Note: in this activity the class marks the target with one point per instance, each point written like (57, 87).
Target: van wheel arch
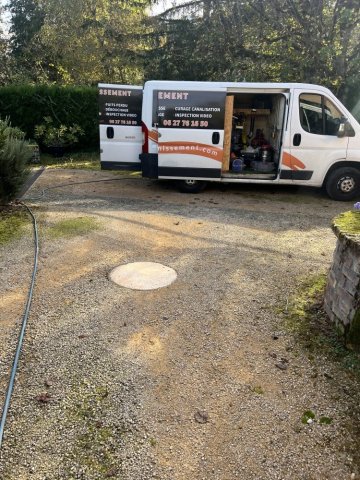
(336, 166)
(342, 181)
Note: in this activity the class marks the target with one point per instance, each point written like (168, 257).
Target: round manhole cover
(143, 275)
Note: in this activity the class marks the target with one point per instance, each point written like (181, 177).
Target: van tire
(191, 186)
(343, 184)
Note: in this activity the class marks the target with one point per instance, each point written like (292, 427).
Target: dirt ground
(199, 380)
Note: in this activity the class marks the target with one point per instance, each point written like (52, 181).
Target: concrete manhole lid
(143, 275)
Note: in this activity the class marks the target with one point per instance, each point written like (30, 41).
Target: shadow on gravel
(262, 208)
(262, 250)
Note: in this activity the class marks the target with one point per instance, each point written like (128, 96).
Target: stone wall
(342, 296)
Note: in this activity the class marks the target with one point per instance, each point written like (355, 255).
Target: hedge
(27, 105)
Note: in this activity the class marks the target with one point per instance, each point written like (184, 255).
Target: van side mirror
(345, 128)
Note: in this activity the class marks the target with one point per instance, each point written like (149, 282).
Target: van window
(332, 117)
(318, 115)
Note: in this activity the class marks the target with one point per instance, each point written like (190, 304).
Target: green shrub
(52, 136)
(14, 155)
(27, 105)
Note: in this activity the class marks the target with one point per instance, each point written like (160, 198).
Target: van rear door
(190, 132)
(120, 126)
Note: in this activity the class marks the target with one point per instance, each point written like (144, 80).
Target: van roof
(233, 85)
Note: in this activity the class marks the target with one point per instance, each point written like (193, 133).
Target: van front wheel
(191, 186)
(343, 184)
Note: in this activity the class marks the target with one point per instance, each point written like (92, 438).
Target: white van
(195, 132)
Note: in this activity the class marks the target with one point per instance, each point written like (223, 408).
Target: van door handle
(215, 138)
(110, 132)
(297, 139)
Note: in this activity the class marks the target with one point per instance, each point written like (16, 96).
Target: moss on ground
(12, 225)
(73, 227)
(94, 451)
(79, 160)
(353, 336)
(305, 318)
(258, 390)
(307, 415)
(348, 223)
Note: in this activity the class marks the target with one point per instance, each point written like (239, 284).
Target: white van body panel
(127, 140)
(205, 154)
(304, 156)
(354, 146)
(120, 126)
(353, 150)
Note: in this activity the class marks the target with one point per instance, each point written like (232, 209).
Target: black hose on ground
(134, 177)
(22, 331)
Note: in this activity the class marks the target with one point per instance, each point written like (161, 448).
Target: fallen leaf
(281, 365)
(201, 417)
(44, 397)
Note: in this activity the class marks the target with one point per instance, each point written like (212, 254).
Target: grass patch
(11, 225)
(78, 160)
(306, 319)
(73, 227)
(348, 223)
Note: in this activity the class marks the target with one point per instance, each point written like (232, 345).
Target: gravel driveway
(180, 383)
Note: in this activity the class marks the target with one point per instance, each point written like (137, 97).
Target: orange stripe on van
(192, 148)
(292, 162)
(153, 135)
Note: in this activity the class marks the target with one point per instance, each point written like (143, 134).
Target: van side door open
(190, 125)
(120, 126)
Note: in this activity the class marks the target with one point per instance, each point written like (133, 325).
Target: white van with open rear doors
(264, 133)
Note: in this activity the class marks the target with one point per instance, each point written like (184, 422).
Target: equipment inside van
(195, 132)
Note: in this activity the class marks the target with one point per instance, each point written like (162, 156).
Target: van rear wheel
(191, 186)
(343, 184)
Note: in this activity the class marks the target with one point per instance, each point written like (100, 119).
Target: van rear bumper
(133, 166)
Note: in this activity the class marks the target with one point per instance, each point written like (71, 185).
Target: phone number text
(185, 123)
(123, 122)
